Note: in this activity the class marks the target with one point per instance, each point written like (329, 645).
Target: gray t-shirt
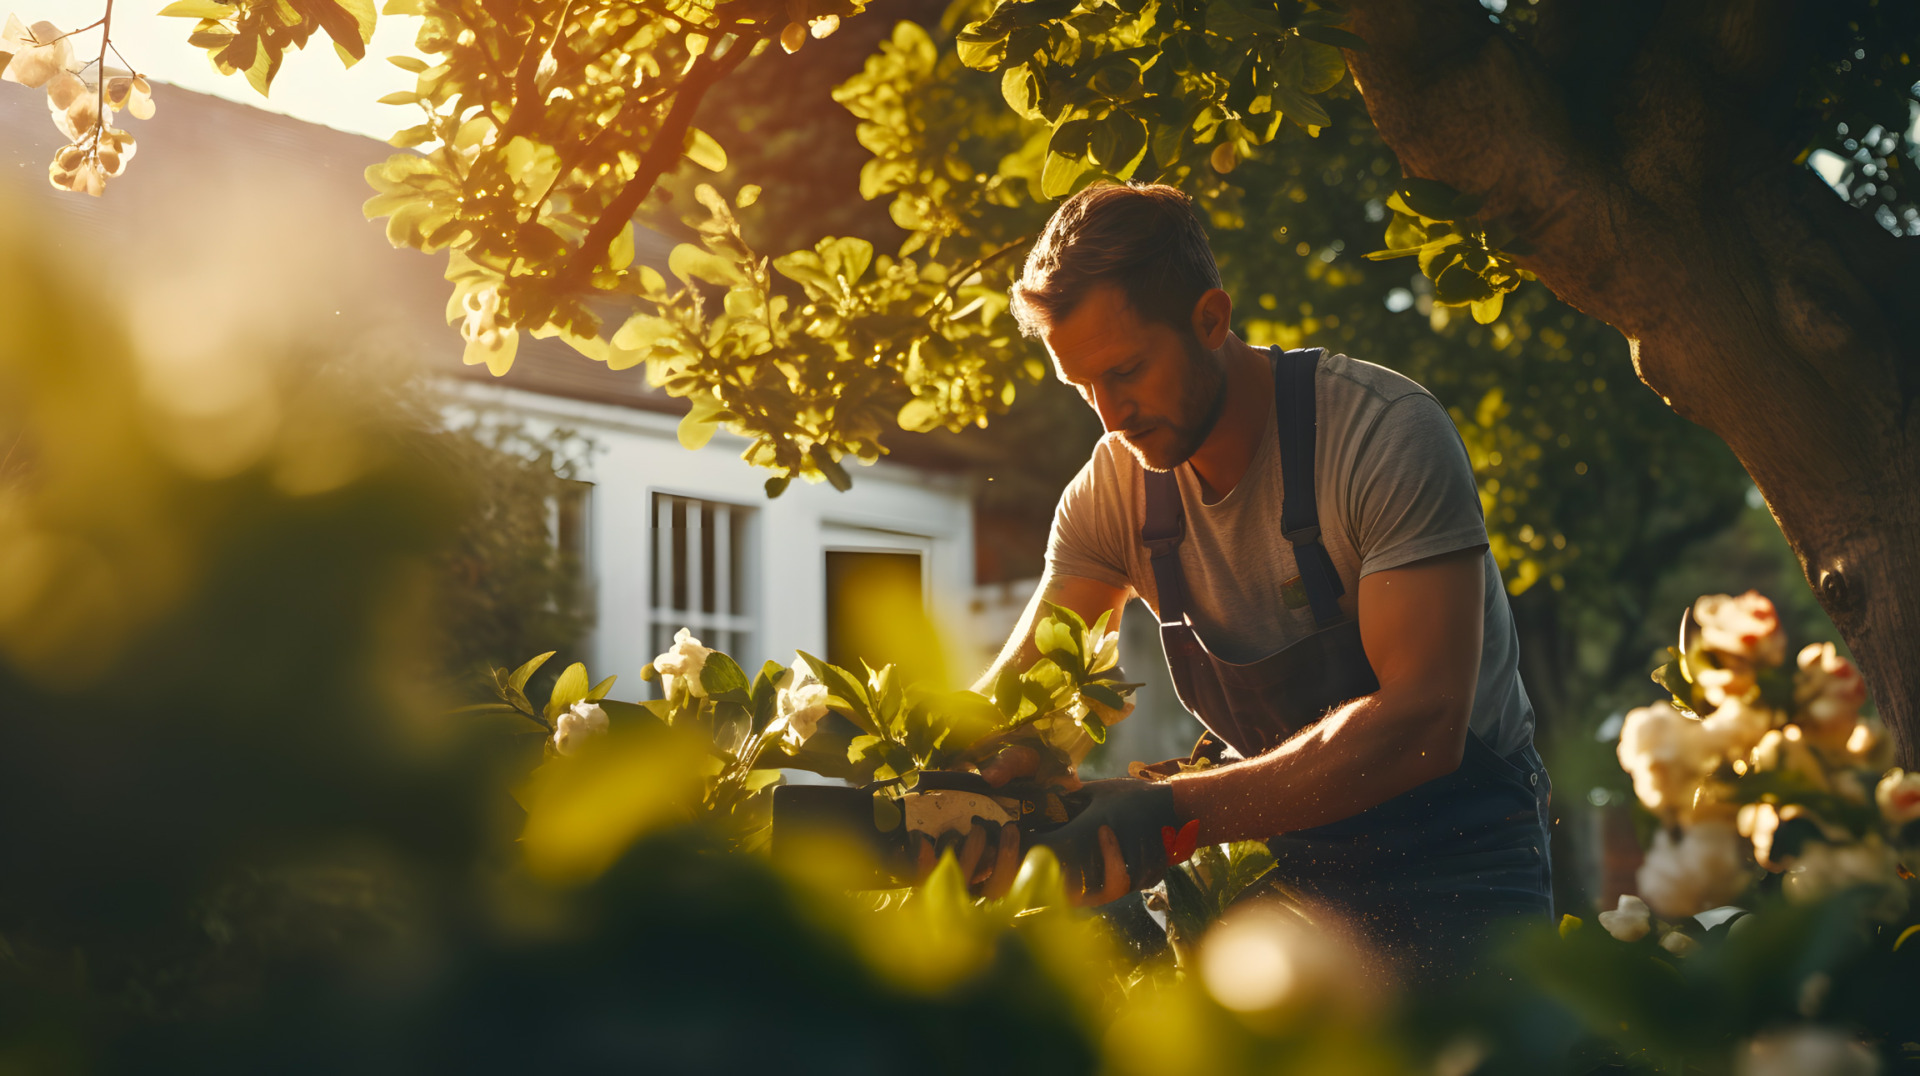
(1393, 486)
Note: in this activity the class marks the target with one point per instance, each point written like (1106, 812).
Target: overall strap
(1164, 530)
(1293, 411)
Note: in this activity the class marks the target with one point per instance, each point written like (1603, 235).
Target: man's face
(1151, 383)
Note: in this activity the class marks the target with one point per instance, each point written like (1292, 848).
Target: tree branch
(660, 156)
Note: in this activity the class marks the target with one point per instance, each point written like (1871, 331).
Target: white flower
(1735, 727)
(1744, 627)
(1822, 870)
(1667, 754)
(1734, 680)
(1677, 943)
(1706, 868)
(683, 661)
(1829, 693)
(1106, 653)
(1806, 1051)
(1785, 750)
(1898, 795)
(39, 54)
(801, 702)
(1630, 921)
(578, 724)
(483, 307)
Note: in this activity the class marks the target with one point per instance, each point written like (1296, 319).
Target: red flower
(1180, 843)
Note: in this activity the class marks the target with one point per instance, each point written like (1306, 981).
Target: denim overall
(1424, 877)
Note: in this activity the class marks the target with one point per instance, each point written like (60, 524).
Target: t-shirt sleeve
(1413, 495)
(1089, 538)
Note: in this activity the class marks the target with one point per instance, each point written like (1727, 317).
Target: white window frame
(722, 629)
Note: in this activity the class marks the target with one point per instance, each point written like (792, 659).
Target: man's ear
(1212, 317)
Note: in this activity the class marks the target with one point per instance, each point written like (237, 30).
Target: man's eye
(1126, 372)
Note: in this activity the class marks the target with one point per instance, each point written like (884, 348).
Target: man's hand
(1121, 833)
(989, 857)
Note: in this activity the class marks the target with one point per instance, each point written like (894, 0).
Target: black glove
(1142, 817)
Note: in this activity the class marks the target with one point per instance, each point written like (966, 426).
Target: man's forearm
(1360, 755)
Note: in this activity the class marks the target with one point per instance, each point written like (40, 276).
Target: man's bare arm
(1087, 597)
(1421, 627)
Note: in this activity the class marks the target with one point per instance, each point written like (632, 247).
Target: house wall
(637, 454)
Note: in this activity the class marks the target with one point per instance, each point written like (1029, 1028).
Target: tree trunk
(1639, 166)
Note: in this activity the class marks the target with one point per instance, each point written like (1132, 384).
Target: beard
(1169, 440)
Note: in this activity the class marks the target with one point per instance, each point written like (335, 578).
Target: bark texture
(1633, 145)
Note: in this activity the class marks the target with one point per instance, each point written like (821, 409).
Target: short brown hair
(1145, 237)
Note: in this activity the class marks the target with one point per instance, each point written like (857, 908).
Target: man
(1357, 670)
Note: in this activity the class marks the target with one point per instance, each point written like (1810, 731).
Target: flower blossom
(801, 701)
(1785, 750)
(683, 661)
(579, 723)
(1806, 1051)
(1705, 868)
(1898, 795)
(1735, 727)
(483, 309)
(1746, 627)
(1822, 870)
(1829, 693)
(1106, 653)
(1668, 755)
(1630, 921)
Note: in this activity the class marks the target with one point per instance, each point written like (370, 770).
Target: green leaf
(724, 680)
(199, 9)
(408, 63)
(980, 50)
(1333, 35)
(1096, 729)
(700, 423)
(690, 263)
(1065, 616)
(845, 259)
(1104, 695)
(1235, 20)
(1059, 175)
(1429, 198)
(525, 672)
(841, 686)
(700, 148)
(1117, 140)
(919, 416)
(1300, 108)
(569, 689)
(837, 476)
(1459, 286)
(1021, 89)
(399, 97)
(600, 689)
(1188, 910)
(777, 485)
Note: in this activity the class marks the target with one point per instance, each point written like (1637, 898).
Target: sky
(312, 85)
